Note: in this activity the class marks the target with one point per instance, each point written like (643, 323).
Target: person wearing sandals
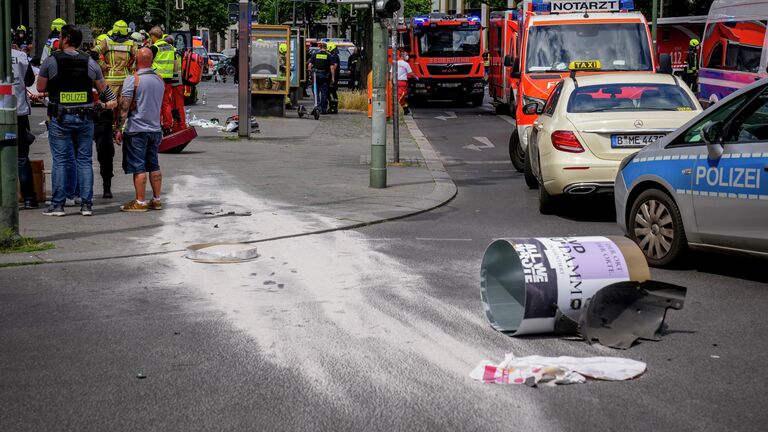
(141, 132)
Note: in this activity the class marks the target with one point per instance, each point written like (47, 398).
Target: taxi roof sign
(581, 65)
(575, 6)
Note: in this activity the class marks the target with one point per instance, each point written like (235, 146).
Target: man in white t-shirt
(404, 73)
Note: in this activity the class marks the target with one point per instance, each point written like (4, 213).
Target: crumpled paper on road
(533, 370)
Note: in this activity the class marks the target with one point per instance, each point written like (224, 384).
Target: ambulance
(446, 54)
(553, 34)
(502, 42)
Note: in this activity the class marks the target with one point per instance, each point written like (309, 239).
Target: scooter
(316, 109)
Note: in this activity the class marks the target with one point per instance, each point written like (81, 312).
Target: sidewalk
(298, 176)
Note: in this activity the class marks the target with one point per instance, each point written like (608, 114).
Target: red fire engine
(446, 54)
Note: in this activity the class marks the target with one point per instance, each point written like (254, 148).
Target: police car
(591, 122)
(704, 185)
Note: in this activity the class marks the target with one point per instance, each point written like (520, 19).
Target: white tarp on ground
(533, 370)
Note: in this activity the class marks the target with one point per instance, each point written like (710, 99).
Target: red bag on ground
(191, 68)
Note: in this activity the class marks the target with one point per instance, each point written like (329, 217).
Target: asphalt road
(376, 329)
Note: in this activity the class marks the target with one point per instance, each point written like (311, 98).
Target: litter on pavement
(226, 106)
(535, 370)
(221, 253)
(205, 124)
(233, 124)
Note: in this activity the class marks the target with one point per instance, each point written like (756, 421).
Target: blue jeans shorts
(140, 152)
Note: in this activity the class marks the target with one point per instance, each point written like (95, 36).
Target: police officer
(333, 95)
(354, 67)
(321, 64)
(163, 64)
(692, 64)
(68, 76)
(283, 72)
(23, 77)
(117, 55)
(52, 44)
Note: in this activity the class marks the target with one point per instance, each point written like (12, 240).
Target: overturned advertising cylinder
(527, 283)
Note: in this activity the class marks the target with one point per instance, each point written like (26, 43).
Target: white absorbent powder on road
(318, 302)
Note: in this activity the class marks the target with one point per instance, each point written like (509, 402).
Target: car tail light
(566, 141)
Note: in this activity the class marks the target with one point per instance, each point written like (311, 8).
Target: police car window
(752, 123)
(549, 108)
(693, 135)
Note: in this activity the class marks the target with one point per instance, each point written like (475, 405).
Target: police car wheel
(516, 152)
(530, 180)
(656, 226)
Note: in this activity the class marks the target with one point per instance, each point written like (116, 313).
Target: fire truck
(446, 54)
(502, 42)
(549, 36)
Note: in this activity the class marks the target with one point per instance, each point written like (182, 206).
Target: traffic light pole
(395, 105)
(9, 206)
(244, 69)
(378, 170)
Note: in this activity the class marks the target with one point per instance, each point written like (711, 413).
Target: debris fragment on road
(621, 313)
(535, 370)
(214, 253)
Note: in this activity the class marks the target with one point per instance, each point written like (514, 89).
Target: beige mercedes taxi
(592, 121)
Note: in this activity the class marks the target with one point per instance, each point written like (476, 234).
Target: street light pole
(167, 16)
(654, 17)
(395, 99)
(378, 170)
(9, 207)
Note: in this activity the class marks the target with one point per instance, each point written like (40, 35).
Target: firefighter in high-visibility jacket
(52, 44)
(163, 64)
(117, 54)
(692, 64)
(177, 91)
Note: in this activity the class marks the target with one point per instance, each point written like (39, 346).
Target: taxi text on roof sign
(585, 65)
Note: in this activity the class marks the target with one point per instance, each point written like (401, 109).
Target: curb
(445, 190)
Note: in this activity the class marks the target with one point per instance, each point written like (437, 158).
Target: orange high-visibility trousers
(166, 118)
(178, 106)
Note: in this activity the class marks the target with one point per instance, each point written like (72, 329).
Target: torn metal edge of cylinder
(621, 313)
(198, 253)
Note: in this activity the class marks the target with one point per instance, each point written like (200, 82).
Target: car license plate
(618, 141)
(343, 82)
(450, 85)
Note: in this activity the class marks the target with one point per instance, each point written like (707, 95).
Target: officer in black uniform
(69, 76)
(324, 70)
(333, 95)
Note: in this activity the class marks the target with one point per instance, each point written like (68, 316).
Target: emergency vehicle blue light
(627, 4)
(421, 20)
(474, 18)
(540, 6)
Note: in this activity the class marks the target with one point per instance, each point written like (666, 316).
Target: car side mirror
(712, 134)
(665, 64)
(533, 108)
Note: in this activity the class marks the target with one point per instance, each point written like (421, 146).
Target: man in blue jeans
(140, 131)
(69, 76)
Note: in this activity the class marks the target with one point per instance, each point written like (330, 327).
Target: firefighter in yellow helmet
(52, 44)
(333, 85)
(177, 90)
(117, 54)
(691, 72)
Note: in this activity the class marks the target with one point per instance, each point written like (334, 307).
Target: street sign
(354, 1)
(361, 6)
(180, 4)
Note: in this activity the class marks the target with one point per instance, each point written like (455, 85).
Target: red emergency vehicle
(674, 35)
(502, 41)
(446, 54)
(552, 34)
